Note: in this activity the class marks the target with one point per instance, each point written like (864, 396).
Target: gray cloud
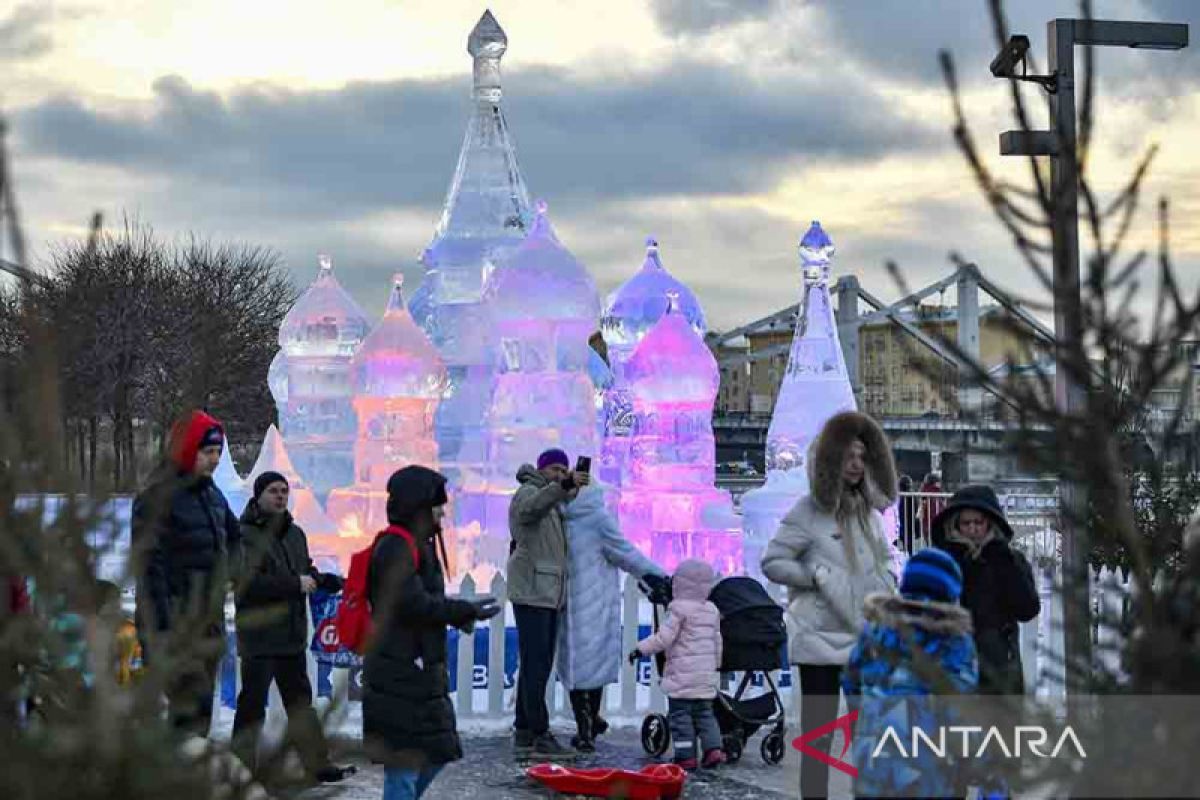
(682, 17)
(23, 34)
(693, 127)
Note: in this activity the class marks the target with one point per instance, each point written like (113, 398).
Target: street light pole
(1062, 35)
(1069, 393)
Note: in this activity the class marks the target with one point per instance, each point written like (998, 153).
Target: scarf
(974, 548)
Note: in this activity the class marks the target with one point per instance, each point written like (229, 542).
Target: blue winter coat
(891, 687)
(589, 631)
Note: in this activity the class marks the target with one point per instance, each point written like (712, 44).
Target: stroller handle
(657, 589)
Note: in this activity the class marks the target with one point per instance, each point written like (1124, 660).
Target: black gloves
(658, 589)
(634, 655)
(485, 609)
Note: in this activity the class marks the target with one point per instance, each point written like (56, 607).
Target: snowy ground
(491, 770)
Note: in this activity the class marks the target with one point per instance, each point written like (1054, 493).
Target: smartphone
(583, 464)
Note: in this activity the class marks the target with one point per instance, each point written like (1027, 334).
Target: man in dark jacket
(187, 539)
(272, 628)
(998, 585)
(408, 720)
(537, 583)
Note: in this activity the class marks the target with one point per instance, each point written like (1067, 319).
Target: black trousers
(537, 633)
(304, 729)
(190, 691)
(820, 685)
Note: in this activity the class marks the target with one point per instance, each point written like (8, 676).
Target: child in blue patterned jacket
(914, 646)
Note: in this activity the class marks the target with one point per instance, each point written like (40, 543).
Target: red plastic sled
(652, 782)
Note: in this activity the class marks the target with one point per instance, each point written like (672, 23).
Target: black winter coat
(272, 611)
(408, 719)
(193, 544)
(999, 591)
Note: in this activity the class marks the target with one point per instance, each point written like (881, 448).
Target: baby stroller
(754, 638)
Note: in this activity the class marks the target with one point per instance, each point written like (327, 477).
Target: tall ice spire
(486, 217)
(487, 196)
(815, 387)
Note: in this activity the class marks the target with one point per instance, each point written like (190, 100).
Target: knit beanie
(266, 479)
(553, 456)
(213, 436)
(934, 574)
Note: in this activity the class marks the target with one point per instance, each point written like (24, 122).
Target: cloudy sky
(720, 126)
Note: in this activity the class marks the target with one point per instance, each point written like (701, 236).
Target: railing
(484, 688)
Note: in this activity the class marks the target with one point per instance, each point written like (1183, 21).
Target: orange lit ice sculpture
(311, 381)
(668, 504)
(398, 379)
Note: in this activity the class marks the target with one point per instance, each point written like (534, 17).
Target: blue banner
(325, 647)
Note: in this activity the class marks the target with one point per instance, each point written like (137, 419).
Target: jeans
(820, 685)
(537, 633)
(290, 673)
(689, 718)
(408, 784)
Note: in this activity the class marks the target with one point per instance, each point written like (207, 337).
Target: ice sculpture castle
(485, 217)
(398, 381)
(668, 505)
(310, 380)
(815, 387)
(632, 310)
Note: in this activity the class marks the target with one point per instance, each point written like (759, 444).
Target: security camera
(1013, 53)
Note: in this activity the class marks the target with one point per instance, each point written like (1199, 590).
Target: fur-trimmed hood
(897, 611)
(828, 451)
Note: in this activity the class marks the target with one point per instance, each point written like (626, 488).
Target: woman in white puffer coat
(589, 636)
(831, 552)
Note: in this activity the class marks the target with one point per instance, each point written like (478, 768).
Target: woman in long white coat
(589, 635)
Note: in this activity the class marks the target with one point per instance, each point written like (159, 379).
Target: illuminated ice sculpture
(398, 379)
(310, 380)
(542, 306)
(667, 503)
(631, 311)
(815, 387)
(484, 219)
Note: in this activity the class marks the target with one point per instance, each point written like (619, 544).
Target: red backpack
(353, 621)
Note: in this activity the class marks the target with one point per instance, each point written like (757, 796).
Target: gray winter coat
(537, 567)
(589, 632)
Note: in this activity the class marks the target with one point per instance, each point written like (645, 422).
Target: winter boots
(581, 705)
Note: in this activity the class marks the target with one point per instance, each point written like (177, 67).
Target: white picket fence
(491, 708)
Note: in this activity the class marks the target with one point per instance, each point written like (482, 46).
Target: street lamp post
(1059, 144)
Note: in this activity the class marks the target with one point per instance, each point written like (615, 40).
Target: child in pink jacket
(691, 638)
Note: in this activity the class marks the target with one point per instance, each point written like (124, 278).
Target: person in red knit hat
(188, 543)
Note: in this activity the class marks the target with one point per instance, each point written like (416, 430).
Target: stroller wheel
(772, 748)
(656, 736)
(733, 747)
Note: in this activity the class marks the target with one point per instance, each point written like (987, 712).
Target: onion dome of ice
(672, 364)
(635, 306)
(397, 359)
(541, 280)
(325, 321)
